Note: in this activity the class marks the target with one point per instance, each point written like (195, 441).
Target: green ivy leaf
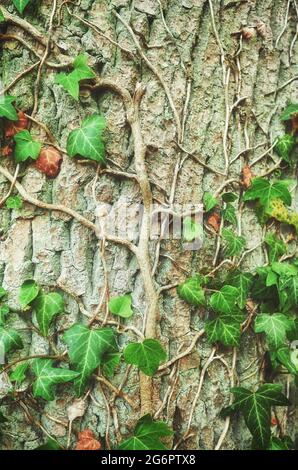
(285, 269)
(229, 197)
(121, 306)
(192, 292)
(146, 355)
(225, 328)
(225, 300)
(87, 350)
(20, 5)
(243, 282)
(191, 229)
(4, 311)
(288, 292)
(50, 444)
(26, 147)
(280, 444)
(1, 16)
(290, 112)
(229, 214)
(87, 140)
(18, 375)
(266, 191)
(147, 435)
(234, 243)
(71, 80)
(209, 201)
(110, 363)
(276, 246)
(6, 108)
(274, 326)
(46, 307)
(3, 292)
(285, 356)
(284, 147)
(48, 376)
(10, 339)
(28, 292)
(14, 202)
(256, 409)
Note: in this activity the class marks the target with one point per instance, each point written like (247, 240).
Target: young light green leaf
(274, 326)
(266, 191)
(71, 81)
(147, 435)
(2, 19)
(20, 5)
(26, 147)
(86, 141)
(10, 339)
(18, 375)
(121, 306)
(225, 329)
(256, 409)
(191, 229)
(209, 201)
(229, 214)
(14, 202)
(88, 349)
(234, 244)
(276, 247)
(243, 282)
(28, 292)
(146, 355)
(225, 300)
(6, 108)
(48, 376)
(46, 307)
(284, 147)
(290, 112)
(192, 292)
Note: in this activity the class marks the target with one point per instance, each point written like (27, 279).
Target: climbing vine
(228, 297)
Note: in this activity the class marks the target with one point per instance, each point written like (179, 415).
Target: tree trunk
(200, 90)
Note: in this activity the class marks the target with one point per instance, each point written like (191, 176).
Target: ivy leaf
(285, 269)
(256, 409)
(225, 328)
(266, 191)
(3, 292)
(18, 375)
(147, 435)
(280, 444)
(234, 243)
(28, 292)
(209, 201)
(10, 339)
(4, 311)
(87, 350)
(274, 326)
(6, 108)
(192, 292)
(225, 300)
(70, 81)
(286, 357)
(47, 306)
(121, 306)
(229, 197)
(229, 214)
(288, 292)
(1, 16)
(243, 282)
(146, 355)
(26, 147)
(290, 112)
(191, 229)
(87, 140)
(284, 147)
(276, 246)
(20, 5)
(14, 202)
(49, 161)
(111, 360)
(50, 444)
(48, 376)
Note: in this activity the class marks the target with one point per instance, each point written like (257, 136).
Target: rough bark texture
(55, 249)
